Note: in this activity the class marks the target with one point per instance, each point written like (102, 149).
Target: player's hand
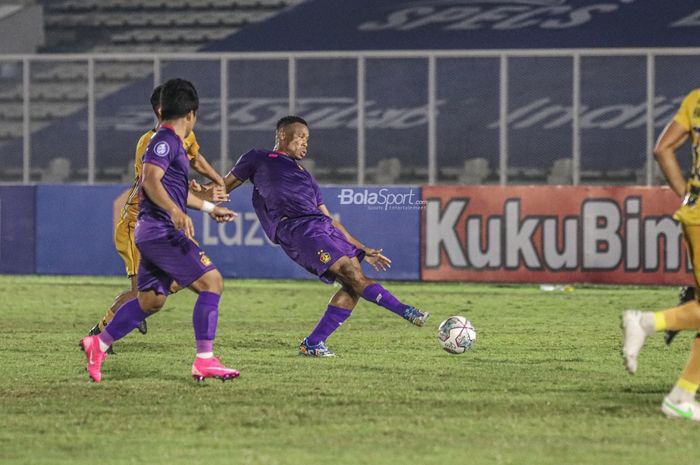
(375, 258)
(211, 192)
(216, 193)
(195, 186)
(222, 215)
(183, 223)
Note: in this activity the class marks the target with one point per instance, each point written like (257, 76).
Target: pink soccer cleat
(95, 357)
(212, 368)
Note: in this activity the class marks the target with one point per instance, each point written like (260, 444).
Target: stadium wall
(542, 234)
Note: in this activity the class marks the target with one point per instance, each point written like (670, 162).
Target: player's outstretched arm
(153, 188)
(231, 182)
(372, 256)
(672, 137)
(202, 166)
(219, 214)
(210, 192)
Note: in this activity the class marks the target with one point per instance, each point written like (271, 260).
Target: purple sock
(204, 318)
(375, 293)
(125, 320)
(329, 322)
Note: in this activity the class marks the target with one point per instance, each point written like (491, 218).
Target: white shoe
(633, 338)
(689, 410)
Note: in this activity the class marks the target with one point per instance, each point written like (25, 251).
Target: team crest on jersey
(325, 257)
(204, 259)
(161, 149)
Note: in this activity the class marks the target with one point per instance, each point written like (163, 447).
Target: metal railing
(431, 83)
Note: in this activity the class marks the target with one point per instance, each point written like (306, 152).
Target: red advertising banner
(552, 234)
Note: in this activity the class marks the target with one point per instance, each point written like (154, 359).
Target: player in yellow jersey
(124, 230)
(637, 326)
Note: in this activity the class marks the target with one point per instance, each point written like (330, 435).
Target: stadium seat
(474, 171)
(561, 171)
(58, 171)
(388, 171)
(309, 165)
(128, 175)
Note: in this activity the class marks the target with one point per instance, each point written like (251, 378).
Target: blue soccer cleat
(318, 350)
(415, 316)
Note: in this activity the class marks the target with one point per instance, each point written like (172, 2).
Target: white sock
(205, 354)
(648, 323)
(103, 346)
(680, 395)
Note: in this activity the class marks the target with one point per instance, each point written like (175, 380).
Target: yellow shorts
(689, 212)
(124, 242)
(691, 234)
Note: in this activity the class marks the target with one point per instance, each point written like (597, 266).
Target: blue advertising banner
(74, 235)
(472, 24)
(74, 230)
(17, 229)
(387, 218)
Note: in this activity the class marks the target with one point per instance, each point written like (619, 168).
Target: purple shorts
(170, 258)
(315, 244)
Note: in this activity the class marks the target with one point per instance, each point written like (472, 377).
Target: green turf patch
(544, 383)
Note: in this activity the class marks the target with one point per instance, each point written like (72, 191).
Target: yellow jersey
(131, 208)
(688, 116)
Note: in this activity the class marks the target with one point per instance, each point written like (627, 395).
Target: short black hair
(155, 98)
(291, 119)
(178, 97)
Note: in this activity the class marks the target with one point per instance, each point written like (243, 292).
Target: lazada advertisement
(552, 234)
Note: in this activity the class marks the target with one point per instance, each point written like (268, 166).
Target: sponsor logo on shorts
(325, 257)
(161, 149)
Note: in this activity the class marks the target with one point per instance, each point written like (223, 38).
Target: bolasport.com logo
(382, 198)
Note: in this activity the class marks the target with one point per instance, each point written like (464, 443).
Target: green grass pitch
(544, 384)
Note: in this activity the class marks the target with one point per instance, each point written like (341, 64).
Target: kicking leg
(637, 326)
(691, 234)
(686, 294)
(349, 272)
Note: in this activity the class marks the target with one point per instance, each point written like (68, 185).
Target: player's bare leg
(349, 272)
(686, 294)
(205, 316)
(680, 402)
(175, 287)
(637, 326)
(339, 309)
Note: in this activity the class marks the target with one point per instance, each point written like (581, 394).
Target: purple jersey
(283, 189)
(165, 150)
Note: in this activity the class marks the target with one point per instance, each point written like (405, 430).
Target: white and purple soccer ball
(456, 335)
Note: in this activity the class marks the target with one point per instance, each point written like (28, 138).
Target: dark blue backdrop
(472, 24)
(17, 237)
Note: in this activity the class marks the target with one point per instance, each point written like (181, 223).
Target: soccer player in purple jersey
(164, 237)
(288, 203)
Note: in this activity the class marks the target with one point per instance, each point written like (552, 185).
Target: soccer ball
(456, 335)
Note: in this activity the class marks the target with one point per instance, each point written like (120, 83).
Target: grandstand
(59, 89)
(547, 122)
